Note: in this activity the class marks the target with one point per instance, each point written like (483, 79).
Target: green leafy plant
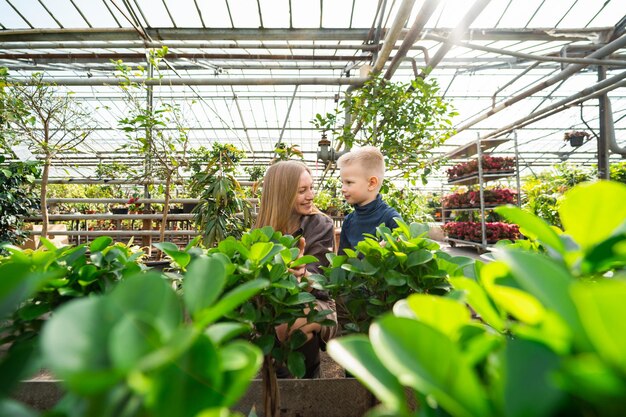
(285, 152)
(75, 271)
(223, 211)
(385, 268)
(618, 172)
(404, 120)
(267, 255)
(131, 352)
(17, 198)
(543, 191)
(48, 121)
(546, 339)
(410, 203)
(155, 130)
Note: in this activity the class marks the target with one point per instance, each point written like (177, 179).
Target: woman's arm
(319, 234)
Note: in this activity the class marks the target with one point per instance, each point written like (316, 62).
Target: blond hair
(278, 198)
(369, 158)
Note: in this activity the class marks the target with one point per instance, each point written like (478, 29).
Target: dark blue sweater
(365, 219)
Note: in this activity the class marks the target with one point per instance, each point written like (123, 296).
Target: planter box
(299, 397)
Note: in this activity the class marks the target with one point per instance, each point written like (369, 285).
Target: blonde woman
(287, 206)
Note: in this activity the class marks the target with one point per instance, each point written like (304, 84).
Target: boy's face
(357, 187)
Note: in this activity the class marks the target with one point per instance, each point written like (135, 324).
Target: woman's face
(304, 195)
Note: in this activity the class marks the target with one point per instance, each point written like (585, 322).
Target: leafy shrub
(367, 282)
(547, 340)
(130, 351)
(17, 198)
(543, 191)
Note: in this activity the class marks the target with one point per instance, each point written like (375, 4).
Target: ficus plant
(268, 255)
(73, 271)
(141, 349)
(385, 268)
(547, 338)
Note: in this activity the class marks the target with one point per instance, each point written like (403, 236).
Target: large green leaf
(444, 314)
(74, 344)
(549, 282)
(181, 258)
(203, 283)
(100, 243)
(231, 300)
(478, 300)
(590, 213)
(17, 283)
(190, 385)
(259, 250)
(148, 296)
(13, 408)
(132, 338)
(428, 361)
(601, 309)
(299, 298)
(220, 333)
(238, 375)
(529, 389)
(356, 355)
(532, 226)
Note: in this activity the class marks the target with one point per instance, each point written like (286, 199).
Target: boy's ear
(372, 183)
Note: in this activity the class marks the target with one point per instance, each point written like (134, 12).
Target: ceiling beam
(261, 34)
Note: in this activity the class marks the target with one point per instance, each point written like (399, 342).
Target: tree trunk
(44, 192)
(271, 393)
(166, 207)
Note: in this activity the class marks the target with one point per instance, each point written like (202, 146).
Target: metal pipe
(610, 128)
(572, 69)
(176, 44)
(393, 34)
(282, 131)
(458, 32)
(262, 34)
(428, 8)
(517, 77)
(93, 57)
(546, 58)
(358, 81)
(584, 95)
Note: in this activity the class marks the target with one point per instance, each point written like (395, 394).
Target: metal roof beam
(202, 81)
(317, 34)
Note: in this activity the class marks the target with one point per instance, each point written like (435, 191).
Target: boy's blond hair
(369, 158)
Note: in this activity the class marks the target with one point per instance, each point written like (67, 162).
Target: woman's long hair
(278, 197)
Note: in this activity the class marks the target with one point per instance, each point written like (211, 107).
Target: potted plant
(576, 137)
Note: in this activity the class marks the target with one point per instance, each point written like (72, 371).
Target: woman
(287, 206)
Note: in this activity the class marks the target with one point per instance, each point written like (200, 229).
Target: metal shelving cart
(478, 148)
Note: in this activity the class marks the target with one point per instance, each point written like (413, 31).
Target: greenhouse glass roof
(255, 72)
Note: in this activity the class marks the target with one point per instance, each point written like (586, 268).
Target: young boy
(362, 174)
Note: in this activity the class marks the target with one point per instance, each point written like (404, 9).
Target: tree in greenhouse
(404, 120)
(155, 130)
(221, 197)
(48, 121)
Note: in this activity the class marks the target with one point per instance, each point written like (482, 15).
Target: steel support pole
(603, 140)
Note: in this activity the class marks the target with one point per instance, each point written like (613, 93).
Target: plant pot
(188, 207)
(576, 141)
(119, 210)
(175, 211)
